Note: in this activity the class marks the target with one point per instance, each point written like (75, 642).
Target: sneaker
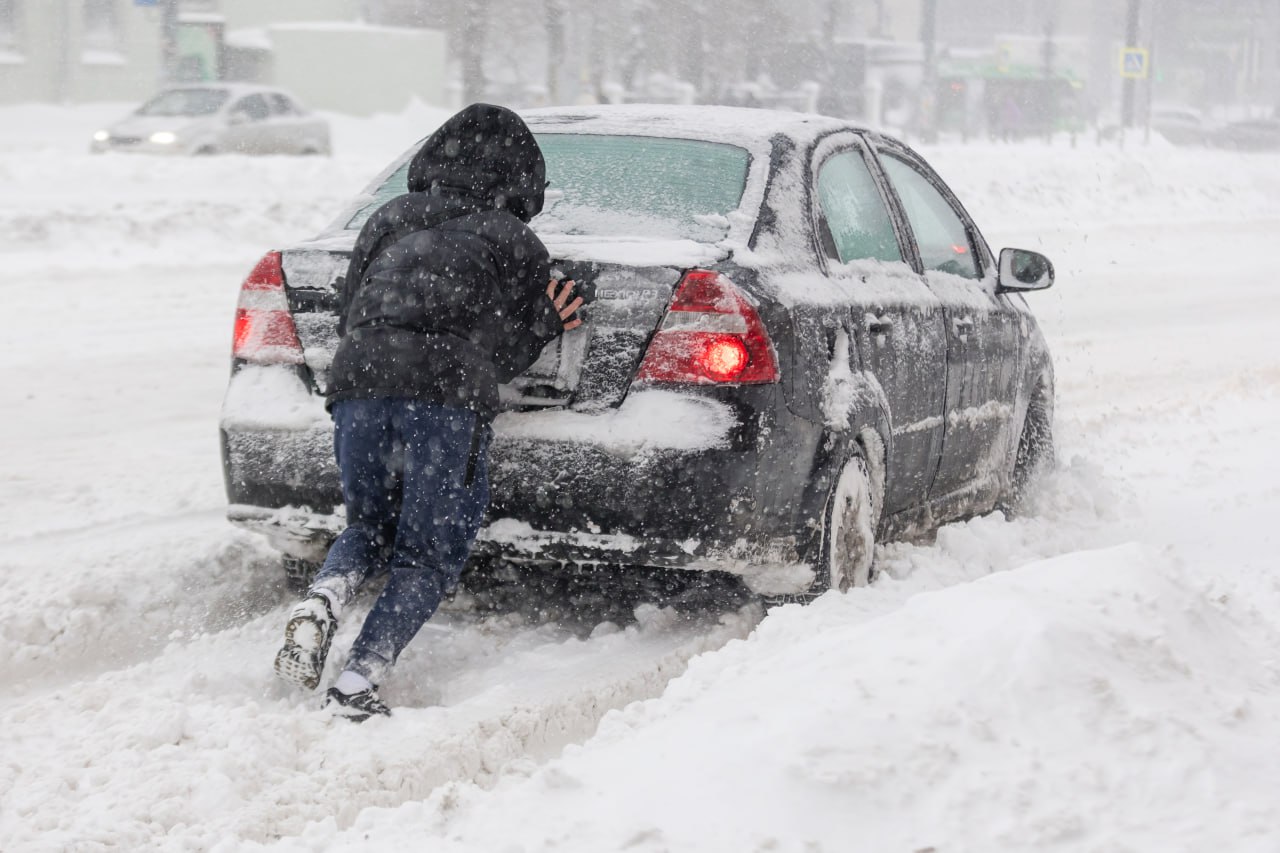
(306, 642)
(356, 707)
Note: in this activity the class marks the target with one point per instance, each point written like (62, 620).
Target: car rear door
(282, 129)
(247, 131)
(892, 315)
(981, 328)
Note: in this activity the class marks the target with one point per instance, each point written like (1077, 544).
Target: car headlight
(164, 137)
(101, 136)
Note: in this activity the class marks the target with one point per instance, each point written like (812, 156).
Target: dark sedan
(1261, 134)
(797, 343)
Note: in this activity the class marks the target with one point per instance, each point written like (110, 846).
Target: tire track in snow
(201, 744)
(84, 601)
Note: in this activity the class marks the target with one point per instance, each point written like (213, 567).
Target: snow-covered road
(1100, 676)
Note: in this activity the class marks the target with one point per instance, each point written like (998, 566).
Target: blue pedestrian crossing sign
(1135, 62)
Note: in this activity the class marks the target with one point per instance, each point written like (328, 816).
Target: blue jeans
(415, 482)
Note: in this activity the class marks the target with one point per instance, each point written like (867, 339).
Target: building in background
(123, 50)
(324, 52)
(1018, 67)
(87, 50)
(998, 67)
(1205, 59)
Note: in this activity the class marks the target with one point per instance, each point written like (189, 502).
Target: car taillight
(711, 335)
(264, 332)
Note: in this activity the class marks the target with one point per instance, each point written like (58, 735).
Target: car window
(854, 211)
(939, 231)
(254, 106)
(184, 102)
(280, 105)
(626, 186)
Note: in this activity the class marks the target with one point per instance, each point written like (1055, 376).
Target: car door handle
(962, 326)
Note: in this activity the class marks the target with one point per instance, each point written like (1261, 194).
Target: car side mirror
(1021, 269)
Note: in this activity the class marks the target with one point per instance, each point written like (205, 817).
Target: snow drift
(1099, 700)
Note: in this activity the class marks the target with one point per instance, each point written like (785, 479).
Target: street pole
(1129, 92)
(1048, 52)
(556, 57)
(929, 38)
(62, 70)
(1153, 33)
(169, 43)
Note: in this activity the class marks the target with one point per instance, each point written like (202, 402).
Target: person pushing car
(448, 294)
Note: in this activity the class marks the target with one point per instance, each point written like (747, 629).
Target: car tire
(852, 517)
(298, 573)
(206, 151)
(1035, 455)
(856, 498)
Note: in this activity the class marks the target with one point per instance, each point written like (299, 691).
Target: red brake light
(723, 359)
(264, 329)
(711, 335)
(267, 274)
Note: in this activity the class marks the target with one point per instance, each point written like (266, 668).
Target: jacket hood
(484, 153)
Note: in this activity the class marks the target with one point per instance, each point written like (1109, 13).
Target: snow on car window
(854, 212)
(626, 186)
(184, 102)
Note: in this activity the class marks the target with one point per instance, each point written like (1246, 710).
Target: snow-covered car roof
(744, 126)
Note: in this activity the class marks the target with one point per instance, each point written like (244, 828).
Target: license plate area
(552, 379)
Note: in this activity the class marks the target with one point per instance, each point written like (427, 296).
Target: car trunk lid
(589, 368)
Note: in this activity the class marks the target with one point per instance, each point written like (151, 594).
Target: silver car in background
(217, 119)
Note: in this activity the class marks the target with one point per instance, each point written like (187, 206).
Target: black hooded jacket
(445, 295)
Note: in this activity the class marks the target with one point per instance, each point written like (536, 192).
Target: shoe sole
(337, 709)
(301, 665)
(351, 718)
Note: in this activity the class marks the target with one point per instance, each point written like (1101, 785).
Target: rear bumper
(769, 569)
(275, 469)
(619, 488)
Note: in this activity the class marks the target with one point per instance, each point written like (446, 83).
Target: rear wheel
(849, 535)
(844, 557)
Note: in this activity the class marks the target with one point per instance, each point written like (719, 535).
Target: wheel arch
(866, 430)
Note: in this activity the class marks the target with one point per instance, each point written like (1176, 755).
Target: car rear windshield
(626, 186)
(185, 102)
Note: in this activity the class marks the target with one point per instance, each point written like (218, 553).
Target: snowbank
(1034, 185)
(1082, 702)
